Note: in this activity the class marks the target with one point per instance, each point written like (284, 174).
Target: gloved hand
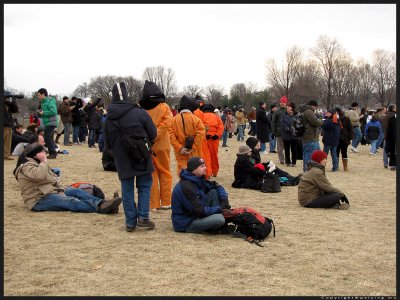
(215, 137)
(260, 166)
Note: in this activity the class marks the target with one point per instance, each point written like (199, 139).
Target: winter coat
(10, 108)
(373, 130)
(17, 138)
(240, 118)
(331, 132)
(49, 108)
(36, 180)
(229, 122)
(123, 113)
(189, 198)
(65, 112)
(390, 144)
(354, 117)
(286, 124)
(161, 116)
(346, 130)
(77, 118)
(92, 116)
(214, 124)
(314, 183)
(386, 120)
(246, 175)
(276, 121)
(263, 125)
(82, 119)
(312, 125)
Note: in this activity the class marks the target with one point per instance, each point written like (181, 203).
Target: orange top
(161, 116)
(214, 124)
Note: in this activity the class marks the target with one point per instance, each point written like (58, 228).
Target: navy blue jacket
(286, 124)
(331, 133)
(189, 199)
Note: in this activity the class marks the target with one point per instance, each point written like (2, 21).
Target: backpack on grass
(89, 188)
(249, 224)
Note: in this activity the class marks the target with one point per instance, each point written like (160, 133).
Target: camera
(9, 95)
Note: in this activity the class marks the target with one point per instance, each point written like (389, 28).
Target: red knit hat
(318, 155)
(283, 99)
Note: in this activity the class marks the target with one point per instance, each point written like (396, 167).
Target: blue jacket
(373, 130)
(189, 199)
(331, 132)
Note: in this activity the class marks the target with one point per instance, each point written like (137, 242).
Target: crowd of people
(136, 140)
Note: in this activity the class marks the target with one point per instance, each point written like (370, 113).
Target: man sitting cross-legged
(197, 203)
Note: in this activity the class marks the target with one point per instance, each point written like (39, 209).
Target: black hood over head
(252, 142)
(119, 92)
(208, 108)
(188, 103)
(152, 95)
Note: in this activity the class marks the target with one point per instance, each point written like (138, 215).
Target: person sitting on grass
(315, 191)
(197, 203)
(41, 188)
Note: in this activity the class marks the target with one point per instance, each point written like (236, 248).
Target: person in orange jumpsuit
(215, 129)
(206, 151)
(153, 101)
(193, 127)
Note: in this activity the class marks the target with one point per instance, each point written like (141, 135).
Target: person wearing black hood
(263, 126)
(179, 131)
(153, 101)
(124, 115)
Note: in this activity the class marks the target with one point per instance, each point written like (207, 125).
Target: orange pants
(213, 149)
(161, 188)
(207, 158)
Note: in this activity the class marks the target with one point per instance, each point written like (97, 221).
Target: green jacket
(312, 126)
(276, 126)
(49, 108)
(314, 183)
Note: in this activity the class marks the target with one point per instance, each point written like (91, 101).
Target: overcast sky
(59, 46)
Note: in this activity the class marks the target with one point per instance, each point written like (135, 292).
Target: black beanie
(194, 162)
(207, 108)
(32, 149)
(188, 103)
(251, 142)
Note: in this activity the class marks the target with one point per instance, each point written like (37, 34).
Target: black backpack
(270, 183)
(297, 127)
(373, 132)
(249, 224)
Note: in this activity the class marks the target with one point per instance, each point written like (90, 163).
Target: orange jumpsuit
(204, 145)
(193, 126)
(161, 188)
(215, 127)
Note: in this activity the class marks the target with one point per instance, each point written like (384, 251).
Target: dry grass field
(315, 252)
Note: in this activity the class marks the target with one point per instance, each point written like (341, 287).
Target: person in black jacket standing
(263, 125)
(345, 137)
(93, 120)
(124, 114)
(10, 107)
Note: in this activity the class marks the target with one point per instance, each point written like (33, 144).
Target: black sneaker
(130, 228)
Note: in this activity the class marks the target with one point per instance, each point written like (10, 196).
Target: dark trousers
(290, 148)
(48, 139)
(342, 147)
(325, 201)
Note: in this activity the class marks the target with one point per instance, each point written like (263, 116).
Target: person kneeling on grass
(197, 203)
(315, 191)
(41, 188)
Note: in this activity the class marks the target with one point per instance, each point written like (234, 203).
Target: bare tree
(164, 78)
(364, 83)
(282, 79)
(101, 86)
(327, 52)
(342, 82)
(384, 76)
(82, 90)
(192, 90)
(215, 94)
(245, 92)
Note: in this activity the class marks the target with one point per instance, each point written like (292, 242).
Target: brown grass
(315, 251)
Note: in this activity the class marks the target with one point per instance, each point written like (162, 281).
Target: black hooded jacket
(152, 95)
(123, 113)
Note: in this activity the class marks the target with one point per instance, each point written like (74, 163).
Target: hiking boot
(115, 210)
(130, 228)
(107, 206)
(146, 223)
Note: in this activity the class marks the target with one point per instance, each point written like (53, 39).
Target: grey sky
(61, 46)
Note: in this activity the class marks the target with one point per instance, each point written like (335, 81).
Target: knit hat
(251, 142)
(283, 99)
(244, 149)
(32, 149)
(188, 103)
(318, 155)
(194, 162)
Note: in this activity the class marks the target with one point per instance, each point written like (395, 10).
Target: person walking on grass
(373, 130)
(330, 138)
(345, 137)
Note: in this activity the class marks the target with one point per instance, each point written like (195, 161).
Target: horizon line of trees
(327, 73)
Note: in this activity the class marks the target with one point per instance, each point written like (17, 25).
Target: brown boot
(107, 206)
(344, 161)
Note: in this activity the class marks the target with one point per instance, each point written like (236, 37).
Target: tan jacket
(314, 183)
(36, 180)
(354, 117)
(240, 118)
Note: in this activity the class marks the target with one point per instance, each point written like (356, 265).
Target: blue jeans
(101, 142)
(48, 139)
(75, 200)
(240, 136)
(67, 132)
(308, 149)
(335, 160)
(82, 133)
(225, 138)
(272, 143)
(143, 185)
(374, 145)
(211, 222)
(91, 140)
(385, 157)
(75, 133)
(263, 147)
(357, 137)
(380, 140)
